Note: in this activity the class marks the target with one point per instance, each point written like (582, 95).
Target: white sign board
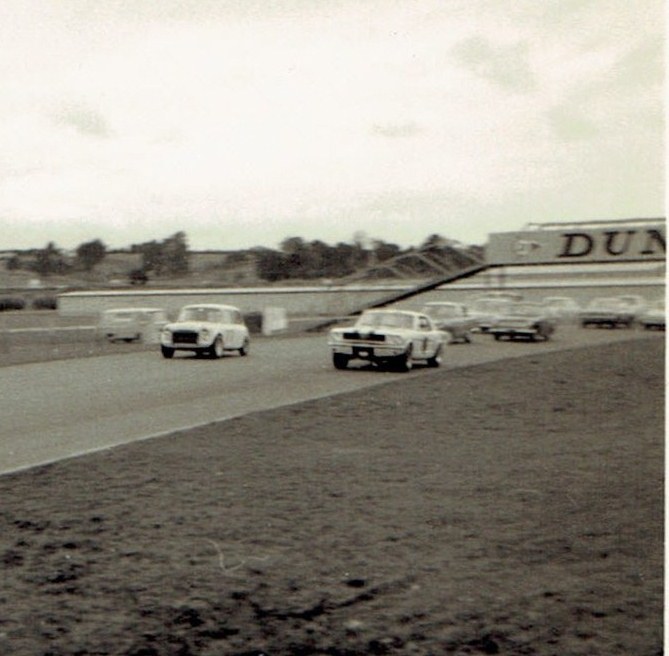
(274, 320)
(578, 245)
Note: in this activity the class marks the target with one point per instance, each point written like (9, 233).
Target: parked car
(607, 311)
(485, 311)
(526, 320)
(634, 302)
(388, 337)
(453, 318)
(561, 308)
(131, 324)
(654, 317)
(206, 329)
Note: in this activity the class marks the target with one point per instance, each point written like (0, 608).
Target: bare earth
(508, 508)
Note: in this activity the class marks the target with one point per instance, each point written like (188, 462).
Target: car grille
(371, 337)
(184, 337)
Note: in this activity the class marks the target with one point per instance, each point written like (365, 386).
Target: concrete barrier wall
(314, 302)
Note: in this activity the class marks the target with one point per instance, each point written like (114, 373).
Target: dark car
(453, 318)
(523, 320)
(607, 312)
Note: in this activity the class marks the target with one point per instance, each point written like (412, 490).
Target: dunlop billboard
(645, 243)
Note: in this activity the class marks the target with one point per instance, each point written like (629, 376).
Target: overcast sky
(244, 122)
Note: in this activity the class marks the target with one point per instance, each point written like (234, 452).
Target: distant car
(206, 329)
(131, 324)
(452, 318)
(485, 311)
(654, 317)
(608, 312)
(561, 308)
(394, 338)
(525, 320)
(634, 302)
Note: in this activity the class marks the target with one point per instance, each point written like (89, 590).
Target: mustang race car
(388, 337)
(207, 329)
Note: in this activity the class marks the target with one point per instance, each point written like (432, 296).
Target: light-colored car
(607, 311)
(485, 311)
(654, 317)
(206, 329)
(131, 324)
(396, 338)
(453, 318)
(525, 320)
(634, 302)
(561, 308)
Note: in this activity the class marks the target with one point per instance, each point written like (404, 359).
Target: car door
(424, 343)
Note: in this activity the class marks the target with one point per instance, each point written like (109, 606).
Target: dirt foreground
(508, 508)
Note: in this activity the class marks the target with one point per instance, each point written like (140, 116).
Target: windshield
(442, 311)
(120, 315)
(386, 319)
(604, 303)
(202, 314)
(523, 309)
(559, 302)
(489, 305)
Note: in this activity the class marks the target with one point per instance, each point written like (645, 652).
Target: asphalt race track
(55, 410)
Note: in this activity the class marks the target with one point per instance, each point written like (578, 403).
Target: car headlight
(394, 339)
(205, 334)
(166, 332)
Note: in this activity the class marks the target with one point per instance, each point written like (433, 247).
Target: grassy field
(509, 508)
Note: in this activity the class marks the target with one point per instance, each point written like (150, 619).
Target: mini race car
(206, 329)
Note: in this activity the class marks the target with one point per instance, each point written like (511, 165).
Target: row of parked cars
(494, 314)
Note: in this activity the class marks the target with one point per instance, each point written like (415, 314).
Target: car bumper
(520, 332)
(366, 352)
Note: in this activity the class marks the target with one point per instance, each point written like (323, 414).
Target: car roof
(211, 306)
(394, 311)
(135, 309)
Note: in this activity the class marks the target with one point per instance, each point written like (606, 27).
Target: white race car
(388, 337)
(207, 329)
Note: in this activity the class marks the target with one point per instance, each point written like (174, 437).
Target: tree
(90, 253)
(13, 263)
(50, 260)
(175, 254)
(169, 256)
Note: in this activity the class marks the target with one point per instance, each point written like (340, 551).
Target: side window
(423, 323)
(237, 317)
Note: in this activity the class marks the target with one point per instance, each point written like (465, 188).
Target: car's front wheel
(405, 361)
(435, 360)
(217, 349)
(340, 360)
(167, 351)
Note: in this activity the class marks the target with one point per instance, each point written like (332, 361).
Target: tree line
(296, 258)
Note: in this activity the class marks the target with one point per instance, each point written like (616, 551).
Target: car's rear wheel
(244, 350)
(217, 349)
(167, 352)
(340, 360)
